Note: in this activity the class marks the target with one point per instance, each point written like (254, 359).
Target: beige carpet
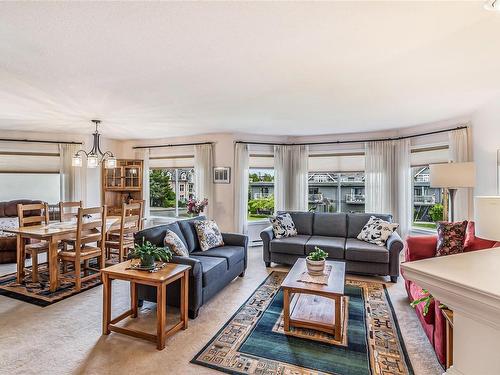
(65, 338)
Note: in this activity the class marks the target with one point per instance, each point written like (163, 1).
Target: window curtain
(241, 171)
(388, 181)
(73, 186)
(290, 174)
(143, 154)
(203, 184)
(460, 152)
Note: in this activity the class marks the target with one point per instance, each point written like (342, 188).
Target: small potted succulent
(315, 262)
(149, 253)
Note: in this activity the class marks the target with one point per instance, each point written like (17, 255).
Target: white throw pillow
(283, 226)
(209, 234)
(377, 231)
(175, 244)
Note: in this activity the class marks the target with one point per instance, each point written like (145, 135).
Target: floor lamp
(452, 176)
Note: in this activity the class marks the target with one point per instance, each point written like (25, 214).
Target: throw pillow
(175, 244)
(451, 237)
(377, 231)
(283, 226)
(209, 234)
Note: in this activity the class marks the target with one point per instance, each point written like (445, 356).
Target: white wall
(486, 142)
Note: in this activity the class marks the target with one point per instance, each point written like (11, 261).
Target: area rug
(252, 342)
(39, 293)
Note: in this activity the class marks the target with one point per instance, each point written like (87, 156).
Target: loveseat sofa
(211, 270)
(434, 324)
(9, 219)
(336, 234)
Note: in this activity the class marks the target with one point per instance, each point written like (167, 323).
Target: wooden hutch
(121, 184)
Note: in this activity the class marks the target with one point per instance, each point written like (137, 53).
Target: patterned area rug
(251, 342)
(39, 293)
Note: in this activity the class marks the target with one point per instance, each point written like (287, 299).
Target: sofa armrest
(267, 235)
(195, 264)
(420, 247)
(235, 239)
(394, 244)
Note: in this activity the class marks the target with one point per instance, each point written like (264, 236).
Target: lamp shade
(453, 175)
(487, 217)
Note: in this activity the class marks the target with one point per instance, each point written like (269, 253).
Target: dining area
(68, 252)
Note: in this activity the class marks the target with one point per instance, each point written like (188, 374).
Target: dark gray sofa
(211, 270)
(336, 234)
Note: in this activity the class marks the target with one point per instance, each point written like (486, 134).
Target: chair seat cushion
(334, 246)
(232, 254)
(361, 251)
(212, 268)
(38, 246)
(87, 251)
(290, 245)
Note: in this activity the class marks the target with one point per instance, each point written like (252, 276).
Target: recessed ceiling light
(492, 5)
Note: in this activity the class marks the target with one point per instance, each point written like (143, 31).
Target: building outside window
(170, 190)
(260, 193)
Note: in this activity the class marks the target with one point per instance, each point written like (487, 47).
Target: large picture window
(260, 193)
(427, 201)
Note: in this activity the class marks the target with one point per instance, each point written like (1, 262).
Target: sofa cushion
(334, 246)
(356, 222)
(212, 268)
(232, 254)
(290, 245)
(303, 221)
(209, 235)
(330, 224)
(189, 232)
(156, 234)
(361, 251)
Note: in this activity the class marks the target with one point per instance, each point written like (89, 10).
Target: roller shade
(257, 161)
(337, 163)
(25, 163)
(172, 162)
(431, 155)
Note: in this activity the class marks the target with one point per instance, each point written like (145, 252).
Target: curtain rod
(175, 145)
(354, 141)
(39, 141)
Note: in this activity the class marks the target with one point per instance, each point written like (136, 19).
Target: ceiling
(171, 69)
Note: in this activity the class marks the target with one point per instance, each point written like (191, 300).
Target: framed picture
(222, 175)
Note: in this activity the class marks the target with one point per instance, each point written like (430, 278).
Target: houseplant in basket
(149, 253)
(315, 262)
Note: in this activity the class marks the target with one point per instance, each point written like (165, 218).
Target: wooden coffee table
(311, 305)
(159, 280)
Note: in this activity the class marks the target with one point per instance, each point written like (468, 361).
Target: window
(260, 186)
(36, 186)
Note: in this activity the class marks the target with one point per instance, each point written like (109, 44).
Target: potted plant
(149, 253)
(194, 207)
(426, 299)
(315, 261)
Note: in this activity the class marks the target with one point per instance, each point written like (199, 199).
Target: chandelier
(95, 156)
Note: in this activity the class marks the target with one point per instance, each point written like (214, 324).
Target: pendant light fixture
(95, 156)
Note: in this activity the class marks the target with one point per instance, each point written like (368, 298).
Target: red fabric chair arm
(420, 247)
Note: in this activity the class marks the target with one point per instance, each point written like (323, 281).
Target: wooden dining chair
(69, 210)
(29, 215)
(89, 244)
(141, 201)
(121, 237)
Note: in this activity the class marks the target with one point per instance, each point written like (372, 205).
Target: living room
(249, 187)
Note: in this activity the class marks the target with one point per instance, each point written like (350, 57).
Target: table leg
(133, 299)
(106, 303)
(338, 309)
(286, 309)
(161, 312)
(53, 268)
(21, 255)
(184, 299)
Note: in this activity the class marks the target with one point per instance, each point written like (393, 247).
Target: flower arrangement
(195, 207)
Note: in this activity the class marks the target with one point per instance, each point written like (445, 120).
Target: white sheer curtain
(388, 180)
(203, 169)
(460, 152)
(73, 186)
(240, 179)
(290, 177)
(143, 154)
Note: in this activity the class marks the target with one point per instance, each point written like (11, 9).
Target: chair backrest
(139, 211)
(69, 210)
(90, 230)
(33, 214)
(130, 220)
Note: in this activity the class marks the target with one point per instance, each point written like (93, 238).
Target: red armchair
(434, 324)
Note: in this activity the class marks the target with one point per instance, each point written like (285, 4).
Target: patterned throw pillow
(175, 244)
(8, 223)
(377, 231)
(451, 237)
(209, 234)
(283, 226)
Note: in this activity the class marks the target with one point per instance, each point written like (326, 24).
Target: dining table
(53, 233)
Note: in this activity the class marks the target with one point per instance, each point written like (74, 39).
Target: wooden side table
(159, 280)
(448, 315)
